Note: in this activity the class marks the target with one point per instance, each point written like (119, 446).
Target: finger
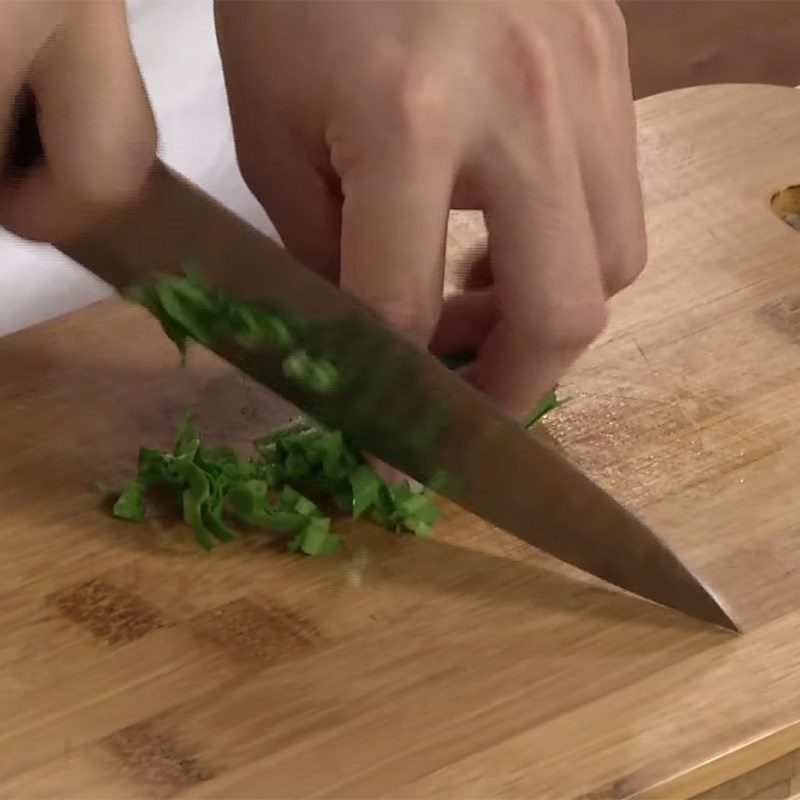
(606, 133)
(394, 226)
(394, 230)
(465, 322)
(296, 196)
(544, 263)
(279, 170)
(95, 123)
(280, 150)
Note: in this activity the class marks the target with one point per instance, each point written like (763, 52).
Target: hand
(360, 124)
(93, 116)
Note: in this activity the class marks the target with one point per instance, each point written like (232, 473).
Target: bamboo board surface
(132, 664)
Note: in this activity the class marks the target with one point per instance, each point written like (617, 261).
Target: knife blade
(394, 400)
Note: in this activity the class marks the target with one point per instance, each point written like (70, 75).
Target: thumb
(96, 126)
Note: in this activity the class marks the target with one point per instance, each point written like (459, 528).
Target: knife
(393, 400)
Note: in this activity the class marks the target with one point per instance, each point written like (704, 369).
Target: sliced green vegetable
(548, 403)
(366, 486)
(317, 374)
(316, 538)
(216, 487)
(188, 308)
(130, 504)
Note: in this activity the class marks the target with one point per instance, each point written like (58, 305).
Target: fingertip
(513, 372)
(465, 322)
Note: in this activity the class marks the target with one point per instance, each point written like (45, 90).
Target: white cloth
(177, 51)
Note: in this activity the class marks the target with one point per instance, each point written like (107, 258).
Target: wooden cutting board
(132, 664)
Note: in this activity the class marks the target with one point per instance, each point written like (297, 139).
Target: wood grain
(468, 665)
(773, 781)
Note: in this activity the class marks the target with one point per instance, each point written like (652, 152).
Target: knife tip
(726, 620)
(706, 606)
(682, 589)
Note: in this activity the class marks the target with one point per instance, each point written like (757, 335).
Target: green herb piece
(148, 298)
(547, 404)
(366, 486)
(318, 375)
(418, 513)
(248, 500)
(130, 504)
(186, 303)
(316, 538)
(187, 436)
(252, 326)
(323, 377)
(187, 309)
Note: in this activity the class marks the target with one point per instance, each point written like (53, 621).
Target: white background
(177, 50)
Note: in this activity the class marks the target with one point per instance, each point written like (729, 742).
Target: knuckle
(596, 34)
(413, 127)
(535, 69)
(409, 113)
(419, 110)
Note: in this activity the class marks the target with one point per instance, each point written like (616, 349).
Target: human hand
(93, 116)
(359, 125)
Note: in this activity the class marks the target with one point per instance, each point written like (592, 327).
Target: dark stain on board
(113, 615)
(783, 317)
(156, 758)
(251, 631)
